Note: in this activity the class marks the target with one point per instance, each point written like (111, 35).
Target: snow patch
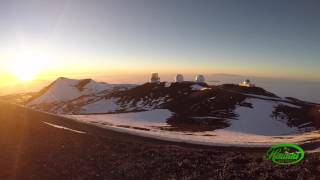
(290, 105)
(167, 84)
(147, 124)
(259, 120)
(197, 87)
(95, 87)
(64, 89)
(157, 117)
(101, 106)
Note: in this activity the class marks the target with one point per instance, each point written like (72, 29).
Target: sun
(26, 66)
(23, 70)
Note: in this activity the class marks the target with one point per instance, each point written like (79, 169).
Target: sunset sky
(51, 38)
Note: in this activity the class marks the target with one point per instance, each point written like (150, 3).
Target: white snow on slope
(258, 120)
(197, 87)
(64, 89)
(272, 98)
(101, 106)
(95, 87)
(157, 117)
(290, 105)
(150, 121)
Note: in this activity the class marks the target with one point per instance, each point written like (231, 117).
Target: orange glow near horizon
(30, 65)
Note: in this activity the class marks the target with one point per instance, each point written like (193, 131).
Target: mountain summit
(64, 89)
(191, 102)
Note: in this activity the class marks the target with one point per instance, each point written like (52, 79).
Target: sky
(274, 38)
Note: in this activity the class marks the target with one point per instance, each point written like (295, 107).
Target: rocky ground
(31, 149)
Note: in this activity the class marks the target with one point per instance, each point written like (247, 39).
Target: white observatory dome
(179, 78)
(200, 78)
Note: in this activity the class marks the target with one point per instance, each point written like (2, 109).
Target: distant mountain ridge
(188, 100)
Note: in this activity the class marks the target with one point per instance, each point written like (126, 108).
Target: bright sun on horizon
(23, 71)
(26, 66)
